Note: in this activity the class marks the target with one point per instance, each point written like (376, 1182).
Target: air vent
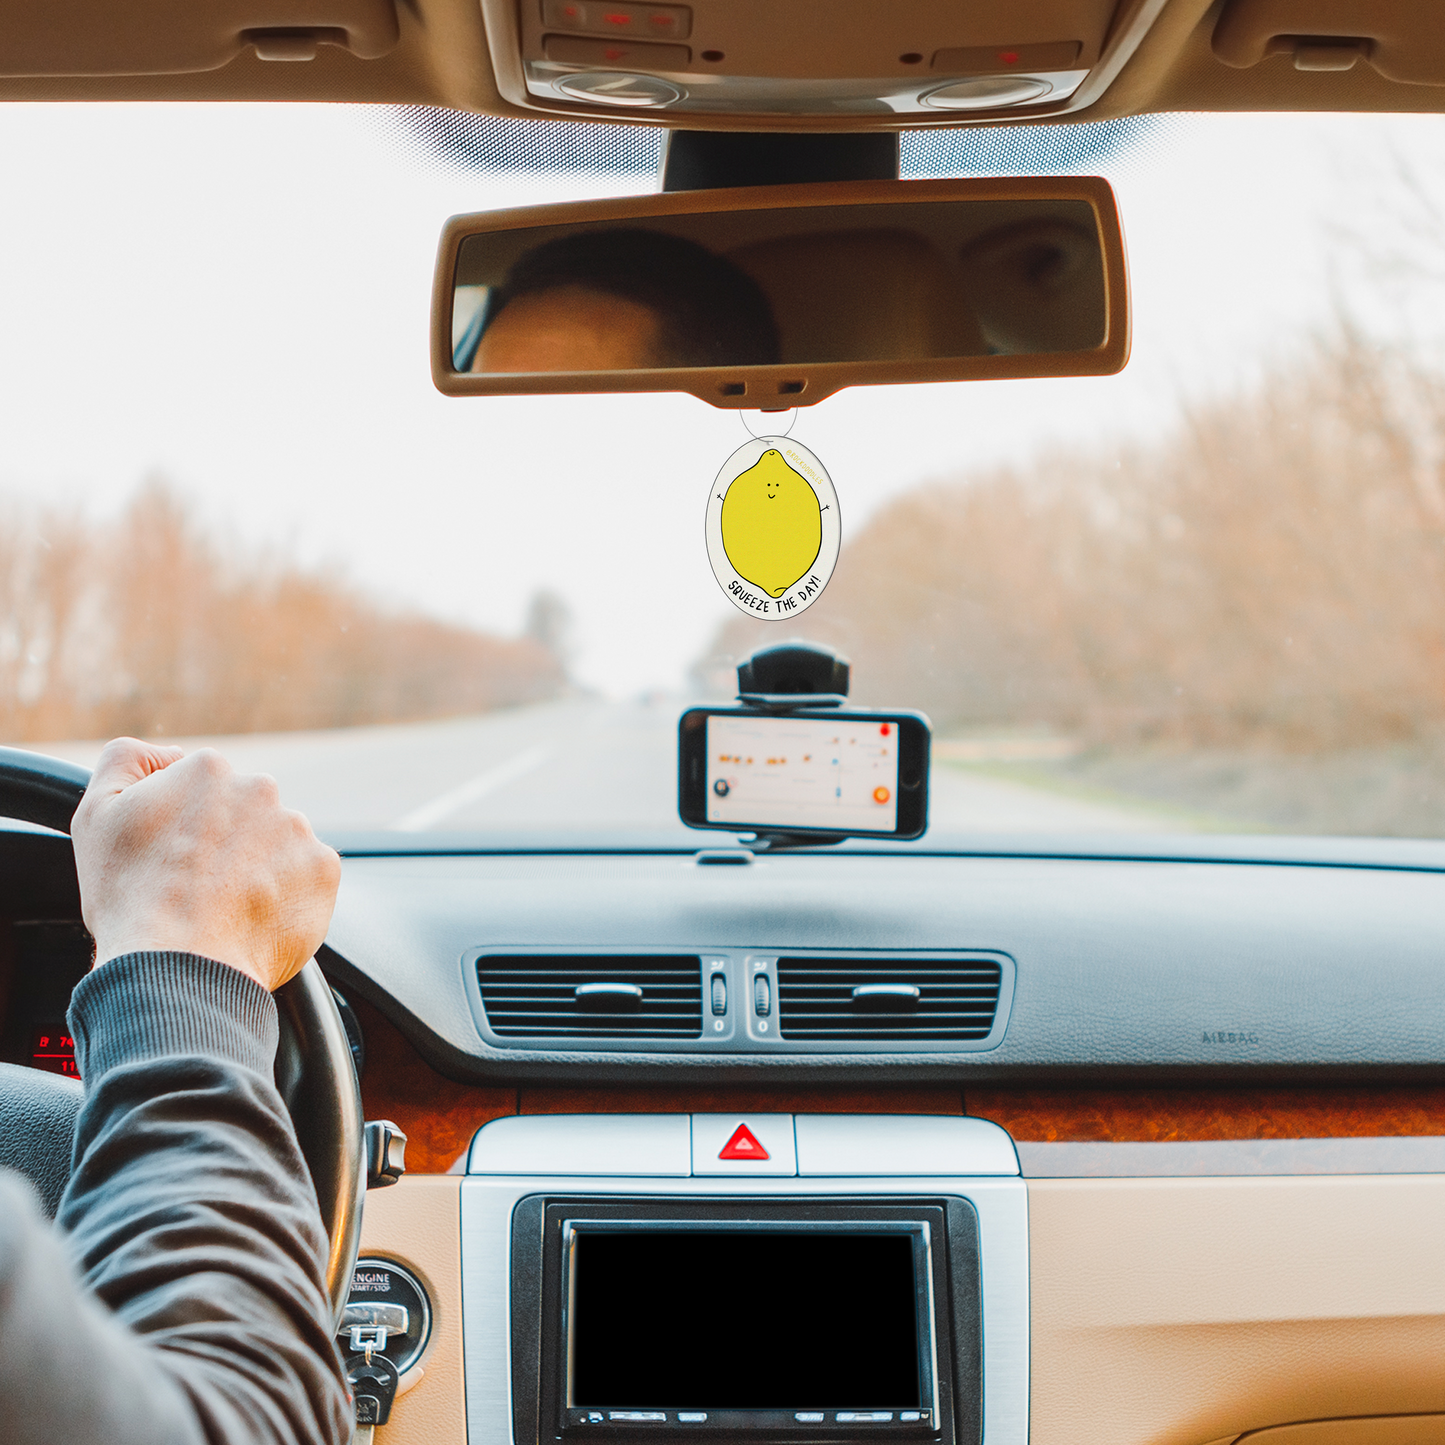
(586, 996)
(868, 999)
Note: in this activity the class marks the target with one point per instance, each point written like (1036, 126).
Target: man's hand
(180, 853)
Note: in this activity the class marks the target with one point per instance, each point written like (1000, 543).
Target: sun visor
(1400, 38)
(176, 37)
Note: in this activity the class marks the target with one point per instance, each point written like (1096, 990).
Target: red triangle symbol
(743, 1145)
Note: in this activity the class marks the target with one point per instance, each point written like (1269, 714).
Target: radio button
(636, 55)
(666, 22)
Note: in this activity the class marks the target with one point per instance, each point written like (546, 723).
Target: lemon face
(772, 525)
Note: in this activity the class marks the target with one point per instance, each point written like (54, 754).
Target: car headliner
(442, 59)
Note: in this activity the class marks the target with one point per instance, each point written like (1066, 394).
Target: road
(581, 764)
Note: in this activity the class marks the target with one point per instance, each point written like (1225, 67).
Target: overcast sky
(237, 297)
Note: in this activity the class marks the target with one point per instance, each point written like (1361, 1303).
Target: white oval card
(773, 529)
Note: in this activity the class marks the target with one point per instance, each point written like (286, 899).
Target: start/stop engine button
(385, 1298)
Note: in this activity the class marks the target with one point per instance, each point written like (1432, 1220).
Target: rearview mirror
(781, 295)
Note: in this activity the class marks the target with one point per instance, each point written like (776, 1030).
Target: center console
(770, 1278)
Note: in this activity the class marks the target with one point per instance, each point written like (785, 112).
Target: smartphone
(820, 770)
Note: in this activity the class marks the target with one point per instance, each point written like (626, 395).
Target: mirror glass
(907, 281)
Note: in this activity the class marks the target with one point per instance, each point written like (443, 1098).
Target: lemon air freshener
(773, 530)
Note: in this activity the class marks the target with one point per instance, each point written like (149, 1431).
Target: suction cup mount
(789, 677)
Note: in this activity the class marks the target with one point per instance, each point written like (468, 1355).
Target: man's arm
(190, 1212)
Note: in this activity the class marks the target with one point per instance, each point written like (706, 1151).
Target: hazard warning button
(743, 1145)
(750, 1144)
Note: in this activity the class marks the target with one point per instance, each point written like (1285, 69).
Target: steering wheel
(314, 1069)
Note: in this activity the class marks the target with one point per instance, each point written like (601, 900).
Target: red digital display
(54, 1051)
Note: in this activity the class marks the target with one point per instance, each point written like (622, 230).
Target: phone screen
(827, 773)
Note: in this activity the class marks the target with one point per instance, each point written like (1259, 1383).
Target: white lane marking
(432, 813)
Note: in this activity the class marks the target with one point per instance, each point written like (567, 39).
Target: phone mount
(790, 677)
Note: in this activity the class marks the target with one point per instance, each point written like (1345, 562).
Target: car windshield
(1207, 594)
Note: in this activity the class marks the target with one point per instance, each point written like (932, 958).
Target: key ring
(770, 429)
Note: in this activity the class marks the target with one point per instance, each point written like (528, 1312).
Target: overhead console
(916, 59)
(771, 1278)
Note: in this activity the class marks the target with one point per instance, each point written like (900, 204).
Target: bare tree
(150, 626)
(1273, 573)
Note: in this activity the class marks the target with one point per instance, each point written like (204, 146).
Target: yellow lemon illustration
(772, 525)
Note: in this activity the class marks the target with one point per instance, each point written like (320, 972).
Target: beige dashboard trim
(1385, 1430)
(1164, 1311)
(1183, 1311)
(417, 1223)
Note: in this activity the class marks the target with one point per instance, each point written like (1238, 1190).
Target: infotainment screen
(803, 772)
(748, 1326)
(748, 1321)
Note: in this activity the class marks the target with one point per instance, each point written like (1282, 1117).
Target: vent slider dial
(609, 997)
(887, 995)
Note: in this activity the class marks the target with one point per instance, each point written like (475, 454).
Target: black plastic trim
(1404, 855)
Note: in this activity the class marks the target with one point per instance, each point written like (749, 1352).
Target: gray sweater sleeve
(191, 1218)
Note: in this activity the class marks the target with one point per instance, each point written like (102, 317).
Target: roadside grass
(1242, 622)
(1393, 791)
(1062, 779)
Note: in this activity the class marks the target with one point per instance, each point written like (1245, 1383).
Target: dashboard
(1193, 1094)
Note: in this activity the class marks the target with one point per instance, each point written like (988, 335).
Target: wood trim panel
(440, 1115)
